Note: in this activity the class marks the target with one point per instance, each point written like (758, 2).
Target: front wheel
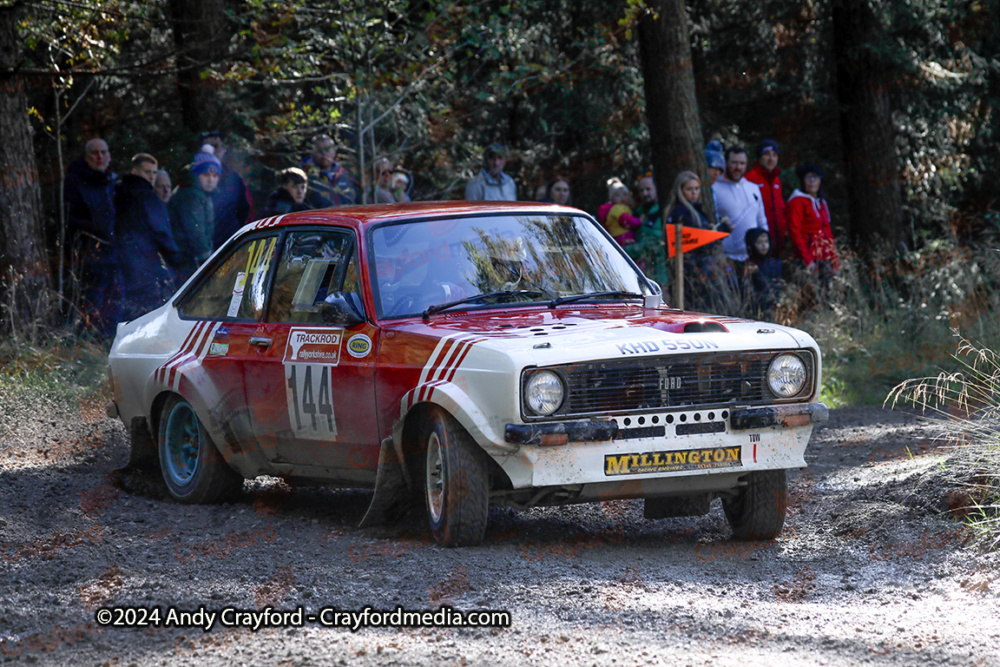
(757, 512)
(456, 485)
(192, 466)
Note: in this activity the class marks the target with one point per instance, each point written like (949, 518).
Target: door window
(314, 265)
(237, 287)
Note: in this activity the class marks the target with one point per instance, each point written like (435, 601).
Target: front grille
(656, 383)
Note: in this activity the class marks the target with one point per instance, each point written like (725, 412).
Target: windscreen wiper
(504, 294)
(612, 294)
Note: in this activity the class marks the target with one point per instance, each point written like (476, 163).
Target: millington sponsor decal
(691, 459)
(314, 345)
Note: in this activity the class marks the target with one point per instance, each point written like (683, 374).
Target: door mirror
(343, 308)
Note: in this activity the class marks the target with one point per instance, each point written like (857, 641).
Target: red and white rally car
(474, 353)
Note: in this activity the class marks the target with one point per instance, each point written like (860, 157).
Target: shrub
(966, 403)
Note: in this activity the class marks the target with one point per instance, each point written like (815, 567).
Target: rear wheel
(757, 512)
(192, 466)
(456, 485)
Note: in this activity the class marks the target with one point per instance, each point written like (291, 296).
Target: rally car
(474, 354)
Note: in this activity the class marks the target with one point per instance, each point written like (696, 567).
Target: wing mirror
(343, 308)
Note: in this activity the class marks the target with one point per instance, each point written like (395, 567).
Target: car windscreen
(513, 259)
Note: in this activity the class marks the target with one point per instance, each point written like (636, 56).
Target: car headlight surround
(544, 392)
(787, 375)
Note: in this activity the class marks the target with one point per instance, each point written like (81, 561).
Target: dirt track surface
(871, 569)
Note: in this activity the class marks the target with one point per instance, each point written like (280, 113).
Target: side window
(238, 286)
(313, 265)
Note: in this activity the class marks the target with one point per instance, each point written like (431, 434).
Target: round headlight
(786, 375)
(544, 392)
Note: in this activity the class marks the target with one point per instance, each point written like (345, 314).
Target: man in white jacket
(739, 200)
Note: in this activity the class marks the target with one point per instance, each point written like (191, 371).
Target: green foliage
(430, 82)
(939, 61)
(427, 83)
(884, 322)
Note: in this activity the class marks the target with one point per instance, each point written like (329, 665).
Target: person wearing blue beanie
(715, 160)
(205, 161)
(192, 214)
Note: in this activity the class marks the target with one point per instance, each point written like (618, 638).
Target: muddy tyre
(757, 512)
(456, 485)
(192, 466)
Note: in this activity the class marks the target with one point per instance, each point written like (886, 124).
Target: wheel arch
(412, 448)
(155, 413)
(485, 429)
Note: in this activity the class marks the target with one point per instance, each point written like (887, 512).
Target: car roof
(364, 216)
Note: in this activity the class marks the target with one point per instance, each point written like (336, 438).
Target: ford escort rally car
(469, 353)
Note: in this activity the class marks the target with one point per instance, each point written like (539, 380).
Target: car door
(225, 307)
(310, 374)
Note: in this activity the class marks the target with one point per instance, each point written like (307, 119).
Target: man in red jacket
(765, 174)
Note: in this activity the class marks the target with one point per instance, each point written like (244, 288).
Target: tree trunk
(866, 126)
(25, 301)
(671, 107)
(201, 33)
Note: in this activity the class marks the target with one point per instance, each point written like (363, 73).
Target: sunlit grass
(966, 403)
(65, 369)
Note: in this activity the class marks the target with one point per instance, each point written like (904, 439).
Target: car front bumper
(660, 445)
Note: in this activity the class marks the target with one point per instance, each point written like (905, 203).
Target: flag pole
(678, 268)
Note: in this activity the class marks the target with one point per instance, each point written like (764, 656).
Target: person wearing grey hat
(767, 175)
(491, 183)
(330, 183)
(715, 161)
(716, 166)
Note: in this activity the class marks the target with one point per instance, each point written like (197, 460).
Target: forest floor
(872, 567)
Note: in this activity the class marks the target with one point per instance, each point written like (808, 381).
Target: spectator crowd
(132, 240)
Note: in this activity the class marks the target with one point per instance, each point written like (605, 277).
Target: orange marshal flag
(691, 238)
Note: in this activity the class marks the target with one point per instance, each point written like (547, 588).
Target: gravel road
(872, 567)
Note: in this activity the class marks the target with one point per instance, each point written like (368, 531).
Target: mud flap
(392, 488)
(141, 474)
(142, 449)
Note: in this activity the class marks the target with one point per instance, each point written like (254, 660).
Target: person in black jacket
(88, 193)
(148, 255)
(290, 195)
(763, 273)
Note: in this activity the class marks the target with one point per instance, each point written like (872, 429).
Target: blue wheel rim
(182, 443)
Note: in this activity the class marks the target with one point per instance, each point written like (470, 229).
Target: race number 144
(309, 389)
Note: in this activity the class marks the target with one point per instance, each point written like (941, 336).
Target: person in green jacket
(650, 251)
(192, 215)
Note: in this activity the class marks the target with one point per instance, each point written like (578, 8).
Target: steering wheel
(406, 300)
